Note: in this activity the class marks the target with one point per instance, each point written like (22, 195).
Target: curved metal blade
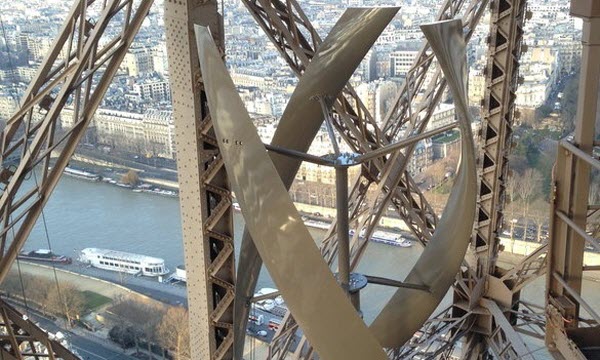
(324, 312)
(408, 309)
(328, 72)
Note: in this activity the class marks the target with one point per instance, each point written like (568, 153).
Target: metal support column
(341, 202)
(566, 333)
(76, 73)
(205, 196)
(501, 79)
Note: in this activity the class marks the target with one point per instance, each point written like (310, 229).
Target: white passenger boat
(386, 238)
(180, 273)
(390, 239)
(317, 224)
(80, 174)
(123, 262)
(158, 191)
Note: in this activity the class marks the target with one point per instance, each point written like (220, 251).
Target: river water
(84, 214)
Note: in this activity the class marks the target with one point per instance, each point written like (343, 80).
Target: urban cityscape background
(132, 137)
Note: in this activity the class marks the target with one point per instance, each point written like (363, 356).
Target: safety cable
(49, 243)
(21, 278)
(13, 96)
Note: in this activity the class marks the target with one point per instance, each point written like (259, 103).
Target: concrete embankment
(81, 281)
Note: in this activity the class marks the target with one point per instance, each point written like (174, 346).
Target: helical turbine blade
(328, 72)
(319, 305)
(408, 309)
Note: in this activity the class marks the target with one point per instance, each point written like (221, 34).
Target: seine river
(84, 214)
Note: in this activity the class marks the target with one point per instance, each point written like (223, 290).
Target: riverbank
(109, 284)
(166, 178)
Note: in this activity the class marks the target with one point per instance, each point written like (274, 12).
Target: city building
(422, 156)
(151, 133)
(401, 61)
(442, 115)
(476, 86)
(154, 87)
(540, 75)
(138, 61)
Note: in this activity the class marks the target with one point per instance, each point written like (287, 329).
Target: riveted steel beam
(205, 193)
(77, 71)
(566, 333)
(33, 133)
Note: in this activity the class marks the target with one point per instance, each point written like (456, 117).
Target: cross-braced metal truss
(288, 27)
(205, 195)
(438, 337)
(21, 339)
(82, 63)
(77, 72)
(571, 229)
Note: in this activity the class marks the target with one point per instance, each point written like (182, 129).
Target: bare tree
(143, 317)
(437, 171)
(65, 300)
(511, 186)
(173, 332)
(130, 178)
(527, 188)
(540, 213)
(441, 170)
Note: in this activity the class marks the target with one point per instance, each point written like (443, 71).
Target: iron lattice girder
(277, 19)
(437, 338)
(286, 24)
(76, 60)
(358, 194)
(406, 112)
(567, 333)
(501, 73)
(22, 339)
(504, 341)
(205, 194)
(504, 41)
(33, 136)
(528, 269)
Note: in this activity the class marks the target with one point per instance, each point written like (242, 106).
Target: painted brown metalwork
(328, 72)
(277, 230)
(84, 74)
(407, 310)
(501, 73)
(568, 333)
(22, 339)
(504, 51)
(281, 22)
(205, 195)
(76, 73)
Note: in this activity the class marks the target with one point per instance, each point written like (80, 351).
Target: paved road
(87, 345)
(93, 348)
